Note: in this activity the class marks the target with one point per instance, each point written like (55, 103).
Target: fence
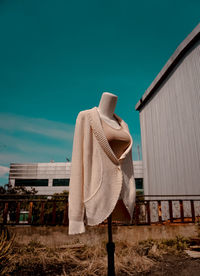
(33, 210)
(153, 209)
(53, 210)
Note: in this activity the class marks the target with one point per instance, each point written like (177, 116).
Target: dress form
(118, 139)
(106, 108)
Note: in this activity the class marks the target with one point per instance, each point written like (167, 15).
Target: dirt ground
(173, 265)
(148, 257)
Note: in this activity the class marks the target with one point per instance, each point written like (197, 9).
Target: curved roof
(190, 40)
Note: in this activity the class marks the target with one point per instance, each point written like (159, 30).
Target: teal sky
(57, 57)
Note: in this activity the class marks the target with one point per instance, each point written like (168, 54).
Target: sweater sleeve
(76, 205)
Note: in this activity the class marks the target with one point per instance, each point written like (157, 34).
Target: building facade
(170, 124)
(54, 177)
(46, 178)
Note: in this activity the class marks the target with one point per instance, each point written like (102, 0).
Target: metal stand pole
(110, 249)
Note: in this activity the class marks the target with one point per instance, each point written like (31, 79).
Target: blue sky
(57, 57)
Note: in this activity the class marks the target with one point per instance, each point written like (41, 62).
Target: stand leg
(110, 249)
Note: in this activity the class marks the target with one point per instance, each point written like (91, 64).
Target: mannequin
(118, 139)
(102, 182)
(102, 172)
(106, 108)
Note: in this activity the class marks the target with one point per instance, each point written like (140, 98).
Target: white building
(53, 177)
(170, 124)
(46, 178)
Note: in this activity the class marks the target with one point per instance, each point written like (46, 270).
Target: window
(139, 183)
(31, 182)
(61, 182)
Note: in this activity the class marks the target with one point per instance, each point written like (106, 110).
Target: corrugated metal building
(170, 124)
(53, 177)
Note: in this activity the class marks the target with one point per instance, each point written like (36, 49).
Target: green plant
(198, 221)
(59, 199)
(178, 244)
(13, 192)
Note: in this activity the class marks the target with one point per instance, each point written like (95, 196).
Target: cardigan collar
(95, 122)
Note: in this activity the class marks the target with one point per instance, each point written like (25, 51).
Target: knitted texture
(97, 175)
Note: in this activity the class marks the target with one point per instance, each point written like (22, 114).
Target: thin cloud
(4, 171)
(28, 146)
(52, 129)
(19, 141)
(23, 157)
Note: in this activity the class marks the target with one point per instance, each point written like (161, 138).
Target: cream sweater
(97, 175)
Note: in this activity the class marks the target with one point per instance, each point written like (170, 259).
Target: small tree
(9, 190)
(60, 199)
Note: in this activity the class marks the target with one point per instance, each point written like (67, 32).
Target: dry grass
(5, 249)
(78, 259)
(85, 259)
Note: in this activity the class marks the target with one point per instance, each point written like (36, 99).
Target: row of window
(139, 183)
(60, 182)
(41, 182)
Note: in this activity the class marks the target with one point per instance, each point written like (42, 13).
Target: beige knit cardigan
(97, 175)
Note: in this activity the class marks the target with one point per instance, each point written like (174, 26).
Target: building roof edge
(185, 45)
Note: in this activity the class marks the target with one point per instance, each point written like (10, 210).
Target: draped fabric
(98, 177)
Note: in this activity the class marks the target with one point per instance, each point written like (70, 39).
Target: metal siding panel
(150, 150)
(171, 133)
(144, 152)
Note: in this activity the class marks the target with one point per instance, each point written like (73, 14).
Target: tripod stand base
(110, 246)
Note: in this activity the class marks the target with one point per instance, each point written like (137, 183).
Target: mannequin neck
(107, 105)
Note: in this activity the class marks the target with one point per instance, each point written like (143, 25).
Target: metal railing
(162, 209)
(38, 209)
(53, 210)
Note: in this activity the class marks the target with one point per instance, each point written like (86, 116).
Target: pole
(110, 249)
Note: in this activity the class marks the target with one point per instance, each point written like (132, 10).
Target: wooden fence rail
(52, 210)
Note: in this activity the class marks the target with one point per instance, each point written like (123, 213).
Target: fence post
(192, 210)
(5, 213)
(159, 211)
(54, 213)
(65, 218)
(148, 213)
(137, 210)
(42, 213)
(181, 210)
(170, 211)
(17, 213)
(30, 212)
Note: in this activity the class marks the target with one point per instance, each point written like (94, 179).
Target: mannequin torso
(118, 139)
(106, 109)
